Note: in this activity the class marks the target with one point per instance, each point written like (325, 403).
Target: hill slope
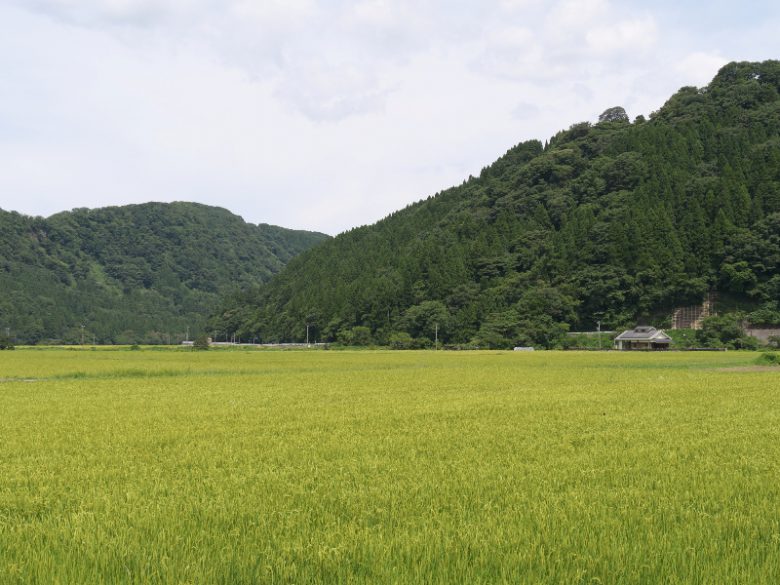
(132, 273)
(614, 221)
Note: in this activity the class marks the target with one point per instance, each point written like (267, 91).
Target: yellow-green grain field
(388, 467)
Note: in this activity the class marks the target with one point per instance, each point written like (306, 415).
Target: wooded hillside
(138, 273)
(617, 221)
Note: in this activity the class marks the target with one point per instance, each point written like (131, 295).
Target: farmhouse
(642, 337)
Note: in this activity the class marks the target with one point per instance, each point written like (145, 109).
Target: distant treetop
(615, 114)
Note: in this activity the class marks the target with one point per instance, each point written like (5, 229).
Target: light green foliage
(401, 340)
(358, 335)
(387, 467)
(685, 338)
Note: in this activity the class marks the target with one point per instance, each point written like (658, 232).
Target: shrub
(5, 342)
(720, 330)
(400, 340)
(201, 342)
(745, 342)
(423, 343)
(768, 359)
(571, 342)
(359, 335)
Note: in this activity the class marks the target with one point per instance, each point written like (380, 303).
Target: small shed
(643, 337)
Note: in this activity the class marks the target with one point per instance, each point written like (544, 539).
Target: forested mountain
(617, 221)
(138, 273)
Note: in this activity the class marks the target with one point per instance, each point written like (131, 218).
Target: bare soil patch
(751, 369)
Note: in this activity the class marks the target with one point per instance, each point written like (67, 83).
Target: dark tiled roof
(644, 333)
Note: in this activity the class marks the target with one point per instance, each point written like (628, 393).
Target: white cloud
(571, 18)
(375, 13)
(318, 114)
(514, 37)
(516, 5)
(140, 13)
(526, 111)
(330, 92)
(628, 35)
(699, 67)
(271, 11)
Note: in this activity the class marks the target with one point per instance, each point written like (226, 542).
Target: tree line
(132, 274)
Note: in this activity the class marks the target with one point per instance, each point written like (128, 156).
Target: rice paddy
(388, 467)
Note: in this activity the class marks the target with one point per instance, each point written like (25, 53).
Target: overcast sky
(326, 114)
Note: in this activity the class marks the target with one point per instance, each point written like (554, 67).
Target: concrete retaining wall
(763, 333)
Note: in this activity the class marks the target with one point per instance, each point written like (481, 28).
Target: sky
(326, 114)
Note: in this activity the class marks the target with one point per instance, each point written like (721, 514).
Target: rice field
(388, 467)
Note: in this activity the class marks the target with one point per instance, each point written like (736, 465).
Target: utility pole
(82, 334)
(436, 343)
(307, 334)
(187, 336)
(598, 328)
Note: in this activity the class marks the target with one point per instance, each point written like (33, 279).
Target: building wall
(632, 344)
(762, 333)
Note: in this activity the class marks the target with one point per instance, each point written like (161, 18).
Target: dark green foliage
(725, 331)
(201, 342)
(768, 359)
(615, 114)
(767, 315)
(6, 343)
(721, 330)
(134, 274)
(613, 221)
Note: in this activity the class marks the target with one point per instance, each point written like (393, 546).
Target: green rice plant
(388, 467)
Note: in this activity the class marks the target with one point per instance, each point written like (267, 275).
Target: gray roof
(644, 333)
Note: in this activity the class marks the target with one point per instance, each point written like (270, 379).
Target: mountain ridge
(134, 273)
(616, 221)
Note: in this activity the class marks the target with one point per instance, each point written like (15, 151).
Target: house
(643, 337)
